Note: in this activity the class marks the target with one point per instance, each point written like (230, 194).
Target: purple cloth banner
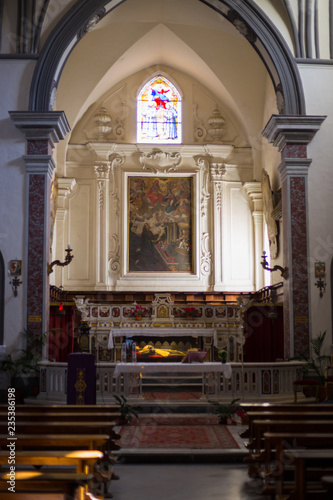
(81, 379)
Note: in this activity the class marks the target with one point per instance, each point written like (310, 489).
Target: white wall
(14, 85)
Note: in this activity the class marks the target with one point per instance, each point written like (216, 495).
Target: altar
(133, 379)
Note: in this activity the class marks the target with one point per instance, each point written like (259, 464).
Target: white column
(254, 191)
(102, 170)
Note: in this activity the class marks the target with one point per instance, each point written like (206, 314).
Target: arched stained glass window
(159, 112)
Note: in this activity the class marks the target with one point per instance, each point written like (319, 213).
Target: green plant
(229, 410)
(127, 411)
(222, 354)
(316, 361)
(25, 362)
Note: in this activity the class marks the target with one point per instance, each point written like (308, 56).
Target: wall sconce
(264, 263)
(320, 273)
(15, 270)
(68, 259)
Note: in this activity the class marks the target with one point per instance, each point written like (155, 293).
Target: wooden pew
(33, 481)
(318, 459)
(56, 441)
(62, 408)
(275, 407)
(301, 425)
(82, 460)
(69, 417)
(282, 415)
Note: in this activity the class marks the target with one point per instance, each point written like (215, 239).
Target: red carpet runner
(175, 432)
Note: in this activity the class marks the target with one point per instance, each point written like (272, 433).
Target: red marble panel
(299, 263)
(294, 151)
(39, 147)
(36, 264)
(286, 293)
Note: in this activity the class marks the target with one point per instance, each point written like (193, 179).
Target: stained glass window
(159, 112)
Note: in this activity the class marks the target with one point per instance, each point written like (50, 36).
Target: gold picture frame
(160, 235)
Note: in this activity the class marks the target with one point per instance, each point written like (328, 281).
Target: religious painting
(319, 269)
(159, 112)
(160, 224)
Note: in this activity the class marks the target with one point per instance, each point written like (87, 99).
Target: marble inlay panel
(299, 263)
(36, 250)
(294, 151)
(39, 147)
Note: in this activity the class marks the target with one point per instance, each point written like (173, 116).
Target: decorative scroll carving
(206, 256)
(102, 170)
(92, 22)
(217, 172)
(159, 161)
(116, 162)
(114, 257)
(280, 99)
(200, 131)
(205, 194)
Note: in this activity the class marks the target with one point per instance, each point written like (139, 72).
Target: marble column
(291, 134)
(42, 130)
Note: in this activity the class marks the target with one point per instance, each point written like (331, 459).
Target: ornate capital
(102, 170)
(50, 125)
(292, 129)
(217, 172)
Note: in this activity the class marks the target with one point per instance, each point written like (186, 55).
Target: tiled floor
(184, 481)
(148, 478)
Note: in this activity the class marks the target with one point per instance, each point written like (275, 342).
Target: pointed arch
(159, 112)
(259, 31)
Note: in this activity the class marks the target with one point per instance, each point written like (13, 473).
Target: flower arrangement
(139, 311)
(228, 413)
(190, 311)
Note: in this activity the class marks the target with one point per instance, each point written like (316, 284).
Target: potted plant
(223, 355)
(227, 412)
(22, 365)
(127, 411)
(316, 361)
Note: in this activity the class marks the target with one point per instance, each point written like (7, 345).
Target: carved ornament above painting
(272, 227)
(159, 161)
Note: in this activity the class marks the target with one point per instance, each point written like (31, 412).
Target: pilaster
(42, 131)
(291, 134)
(254, 192)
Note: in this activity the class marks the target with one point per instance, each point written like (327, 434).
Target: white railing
(249, 382)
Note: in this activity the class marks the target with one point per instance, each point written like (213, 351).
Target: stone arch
(246, 16)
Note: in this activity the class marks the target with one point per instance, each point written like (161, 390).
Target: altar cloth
(144, 368)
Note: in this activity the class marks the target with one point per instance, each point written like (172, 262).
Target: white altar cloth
(162, 332)
(144, 368)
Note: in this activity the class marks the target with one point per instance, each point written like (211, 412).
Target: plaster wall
(14, 89)
(318, 84)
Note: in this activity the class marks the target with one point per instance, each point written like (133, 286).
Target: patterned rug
(169, 432)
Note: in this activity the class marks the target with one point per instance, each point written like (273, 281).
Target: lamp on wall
(320, 273)
(265, 265)
(14, 271)
(68, 259)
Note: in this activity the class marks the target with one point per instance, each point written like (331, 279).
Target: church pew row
(286, 407)
(62, 408)
(68, 416)
(65, 483)
(307, 466)
(281, 415)
(53, 449)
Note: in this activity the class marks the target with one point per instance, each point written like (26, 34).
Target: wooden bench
(69, 417)
(56, 441)
(318, 459)
(82, 460)
(33, 481)
(288, 426)
(62, 408)
(282, 415)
